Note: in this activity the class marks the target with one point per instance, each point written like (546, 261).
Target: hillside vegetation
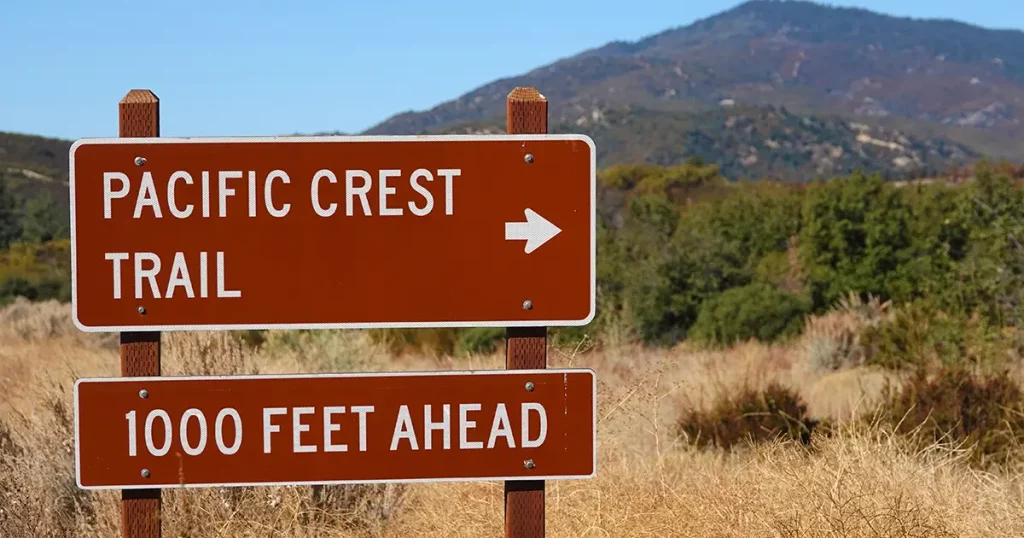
(681, 248)
(34, 200)
(685, 253)
(756, 143)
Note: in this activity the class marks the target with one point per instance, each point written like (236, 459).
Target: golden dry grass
(860, 482)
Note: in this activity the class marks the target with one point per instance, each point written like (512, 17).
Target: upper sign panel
(332, 232)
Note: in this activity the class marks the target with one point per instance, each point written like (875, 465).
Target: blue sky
(236, 68)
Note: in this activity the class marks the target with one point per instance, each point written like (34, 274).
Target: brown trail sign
(335, 428)
(332, 232)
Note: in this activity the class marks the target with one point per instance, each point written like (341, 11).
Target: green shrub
(662, 255)
(480, 340)
(10, 225)
(664, 297)
(634, 267)
(984, 412)
(772, 268)
(571, 337)
(856, 236)
(666, 259)
(754, 311)
(757, 219)
(987, 276)
(918, 334)
(36, 271)
(748, 416)
(675, 182)
(250, 338)
(41, 220)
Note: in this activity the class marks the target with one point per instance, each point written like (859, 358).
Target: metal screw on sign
(529, 157)
(527, 305)
(143, 394)
(139, 161)
(145, 473)
(142, 310)
(529, 386)
(528, 464)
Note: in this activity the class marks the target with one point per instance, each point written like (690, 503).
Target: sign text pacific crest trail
(320, 232)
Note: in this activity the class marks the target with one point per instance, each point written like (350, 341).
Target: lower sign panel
(165, 432)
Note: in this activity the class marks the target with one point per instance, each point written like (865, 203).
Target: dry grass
(859, 482)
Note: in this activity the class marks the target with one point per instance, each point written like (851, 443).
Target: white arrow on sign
(536, 231)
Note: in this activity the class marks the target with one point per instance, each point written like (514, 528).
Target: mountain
(34, 165)
(932, 78)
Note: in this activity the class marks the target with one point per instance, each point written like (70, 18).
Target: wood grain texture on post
(525, 347)
(139, 116)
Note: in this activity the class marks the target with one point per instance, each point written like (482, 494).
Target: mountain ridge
(806, 56)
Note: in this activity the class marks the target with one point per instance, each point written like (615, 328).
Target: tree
(856, 237)
(756, 310)
(10, 227)
(42, 222)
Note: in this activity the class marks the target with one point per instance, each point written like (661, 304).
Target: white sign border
(337, 139)
(176, 485)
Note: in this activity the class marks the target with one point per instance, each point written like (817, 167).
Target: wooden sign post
(525, 347)
(358, 232)
(139, 116)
